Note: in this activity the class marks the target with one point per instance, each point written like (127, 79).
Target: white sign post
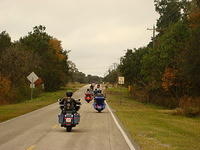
(32, 78)
(121, 82)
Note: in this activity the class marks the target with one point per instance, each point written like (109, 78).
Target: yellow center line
(31, 147)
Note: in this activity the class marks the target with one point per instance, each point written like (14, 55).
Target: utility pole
(154, 34)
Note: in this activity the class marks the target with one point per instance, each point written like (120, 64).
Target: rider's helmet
(69, 94)
(95, 91)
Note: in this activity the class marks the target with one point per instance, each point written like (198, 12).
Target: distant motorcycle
(69, 117)
(88, 98)
(99, 107)
(99, 103)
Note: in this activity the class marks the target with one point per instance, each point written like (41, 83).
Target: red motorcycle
(88, 97)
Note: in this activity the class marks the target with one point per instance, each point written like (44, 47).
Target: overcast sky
(96, 31)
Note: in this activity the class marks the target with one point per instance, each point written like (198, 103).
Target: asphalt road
(39, 130)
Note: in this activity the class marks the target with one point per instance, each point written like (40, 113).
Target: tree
(190, 66)
(54, 67)
(130, 66)
(16, 64)
(169, 11)
(5, 89)
(5, 41)
(111, 77)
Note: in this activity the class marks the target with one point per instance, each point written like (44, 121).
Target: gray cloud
(97, 31)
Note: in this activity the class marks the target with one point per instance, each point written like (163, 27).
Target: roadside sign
(32, 77)
(32, 85)
(120, 80)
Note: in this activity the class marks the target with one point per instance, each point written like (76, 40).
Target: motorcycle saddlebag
(61, 119)
(76, 118)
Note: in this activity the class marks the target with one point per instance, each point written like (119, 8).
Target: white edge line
(121, 130)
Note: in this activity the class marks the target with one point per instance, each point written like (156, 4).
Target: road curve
(39, 130)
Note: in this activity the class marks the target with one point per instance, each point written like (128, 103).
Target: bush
(190, 106)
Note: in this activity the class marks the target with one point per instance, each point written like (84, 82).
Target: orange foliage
(56, 45)
(194, 19)
(168, 78)
(5, 87)
(38, 82)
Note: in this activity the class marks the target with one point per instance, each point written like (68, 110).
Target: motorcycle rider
(98, 86)
(88, 93)
(68, 103)
(99, 99)
(69, 106)
(92, 86)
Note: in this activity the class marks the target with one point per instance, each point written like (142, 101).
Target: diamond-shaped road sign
(32, 77)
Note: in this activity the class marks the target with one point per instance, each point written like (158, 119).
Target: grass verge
(153, 127)
(14, 110)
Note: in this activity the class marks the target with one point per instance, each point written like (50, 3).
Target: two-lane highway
(39, 130)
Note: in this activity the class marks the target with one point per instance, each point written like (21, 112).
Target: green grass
(14, 110)
(153, 127)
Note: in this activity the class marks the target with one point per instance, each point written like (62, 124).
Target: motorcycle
(88, 98)
(99, 104)
(69, 118)
(99, 107)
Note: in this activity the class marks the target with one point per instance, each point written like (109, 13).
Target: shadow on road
(74, 130)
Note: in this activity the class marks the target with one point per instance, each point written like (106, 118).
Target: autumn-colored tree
(54, 67)
(5, 88)
(57, 48)
(168, 78)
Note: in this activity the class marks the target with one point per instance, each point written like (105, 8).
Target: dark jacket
(69, 104)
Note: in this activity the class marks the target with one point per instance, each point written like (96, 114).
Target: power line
(169, 15)
(154, 34)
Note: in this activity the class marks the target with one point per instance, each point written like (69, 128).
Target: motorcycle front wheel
(69, 129)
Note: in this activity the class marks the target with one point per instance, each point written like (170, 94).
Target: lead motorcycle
(69, 116)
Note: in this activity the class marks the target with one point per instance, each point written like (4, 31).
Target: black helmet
(69, 94)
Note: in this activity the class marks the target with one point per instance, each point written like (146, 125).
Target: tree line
(166, 71)
(36, 52)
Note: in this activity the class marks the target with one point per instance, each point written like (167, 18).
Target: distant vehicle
(92, 86)
(88, 98)
(99, 103)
